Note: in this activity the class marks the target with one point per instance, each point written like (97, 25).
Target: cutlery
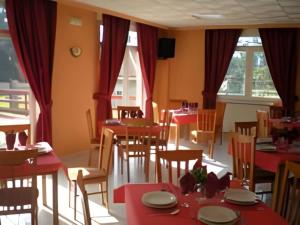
(174, 212)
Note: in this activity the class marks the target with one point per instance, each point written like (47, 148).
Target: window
(129, 89)
(14, 89)
(248, 75)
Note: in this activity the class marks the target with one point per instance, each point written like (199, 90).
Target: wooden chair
(19, 195)
(94, 141)
(276, 112)
(125, 111)
(97, 175)
(220, 111)
(243, 156)
(206, 129)
(263, 125)
(23, 131)
(289, 199)
(246, 128)
(175, 156)
(137, 145)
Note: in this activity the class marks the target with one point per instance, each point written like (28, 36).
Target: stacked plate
(217, 215)
(159, 199)
(240, 196)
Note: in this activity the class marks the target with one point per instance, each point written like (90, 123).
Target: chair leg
(70, 190)
(104, 194)
(75, 196)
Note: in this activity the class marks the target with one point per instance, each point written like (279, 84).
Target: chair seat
(88, 173)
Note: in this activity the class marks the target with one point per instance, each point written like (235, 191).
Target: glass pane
(249, 41)
(117, 96)
(3, 19)
(234, 81)
(131, 92)
(262, 83)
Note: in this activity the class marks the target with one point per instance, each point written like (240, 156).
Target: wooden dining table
(47, 164)
(180, 119)
(139, 214)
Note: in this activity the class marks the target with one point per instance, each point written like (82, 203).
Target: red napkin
(187, 183)
(22, 136)
(10, 140)
(214, 184)
(198, 164)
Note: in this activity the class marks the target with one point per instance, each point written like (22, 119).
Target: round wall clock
(76, 51)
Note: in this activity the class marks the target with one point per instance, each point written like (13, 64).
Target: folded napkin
(189, 180)
(10, 140)
(187, 183)
(214, 184)
(22, 136)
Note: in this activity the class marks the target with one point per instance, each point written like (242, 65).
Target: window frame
(247, 97)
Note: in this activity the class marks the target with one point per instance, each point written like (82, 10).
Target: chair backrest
(263, 126)
(289, 198)
(276, 112)
(220, 111)
(18, 129)
(89, 121)
(125, 111)
(166, 122)
(243, 153)
(176, 156)
(17, 193)
(155, 112)
(105, 149)
(246, 128)
(206, 120)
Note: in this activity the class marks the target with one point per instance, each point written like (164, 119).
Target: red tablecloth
(184, 118)
(46, 164)
(138, 214)
(271, 160)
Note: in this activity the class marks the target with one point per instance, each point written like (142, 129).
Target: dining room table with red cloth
(47, 164)
(139, 214)
(280, 123)
(182, 118)
(274, 161)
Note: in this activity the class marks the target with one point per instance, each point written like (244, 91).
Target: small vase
(10, 141)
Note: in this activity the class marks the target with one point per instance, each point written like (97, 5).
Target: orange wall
(74, 79)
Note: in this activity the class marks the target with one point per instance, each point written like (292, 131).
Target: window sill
(247, 100)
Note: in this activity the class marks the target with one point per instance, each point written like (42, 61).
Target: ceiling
(179, 13)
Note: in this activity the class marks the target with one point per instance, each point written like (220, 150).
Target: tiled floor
(116, 214)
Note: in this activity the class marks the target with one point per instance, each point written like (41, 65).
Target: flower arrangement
(193, 179)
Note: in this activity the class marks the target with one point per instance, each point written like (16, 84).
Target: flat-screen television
(166, 48)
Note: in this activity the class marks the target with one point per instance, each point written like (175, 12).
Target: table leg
(44, 190)
(55, 198)
(177, 136)
(277, 184)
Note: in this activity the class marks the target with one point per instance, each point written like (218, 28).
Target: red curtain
(115, 34)
(219, 48)
(280, 47)
(32, 25)
(147, 48)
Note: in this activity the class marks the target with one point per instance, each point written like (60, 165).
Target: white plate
(216, 214)
(264, 140)
(265, 147)
(159, 198)
(160, 206)
(240, 196)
